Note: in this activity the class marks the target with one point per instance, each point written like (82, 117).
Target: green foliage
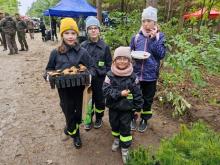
(192, 53)
(140, 156)
(178, 102)
(170, 28)
(124, 27)
(39, 6)
(171, 78)
(214, 101)
(114, 5)
(196, 146)
(10, 7)
(200, 145)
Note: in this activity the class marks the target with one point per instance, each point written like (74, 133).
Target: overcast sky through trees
(24, 6)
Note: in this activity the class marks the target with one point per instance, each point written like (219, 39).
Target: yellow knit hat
(68, 24)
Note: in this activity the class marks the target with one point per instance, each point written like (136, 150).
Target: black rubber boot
(98, 123)
(142, 126)
(77, 142)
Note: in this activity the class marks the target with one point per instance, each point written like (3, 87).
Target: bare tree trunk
(201, 19)
(165, 11)
(209, 9)
(122, 5)
(169, 10)
(181, 20)
(99, 9)
(152, 3)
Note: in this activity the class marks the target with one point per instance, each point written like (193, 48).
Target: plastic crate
(66, 81)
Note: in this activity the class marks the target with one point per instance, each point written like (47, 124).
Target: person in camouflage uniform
(30, 27)
(3, 40)
(9, 28)
(21, 27)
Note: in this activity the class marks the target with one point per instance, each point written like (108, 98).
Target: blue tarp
(71, 8)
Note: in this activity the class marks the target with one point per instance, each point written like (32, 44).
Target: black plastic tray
(66, 81)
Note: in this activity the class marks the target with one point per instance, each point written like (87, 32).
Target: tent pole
(50, 24)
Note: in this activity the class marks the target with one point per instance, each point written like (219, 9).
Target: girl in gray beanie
(150, 40)
(101, 55)
(122, 91)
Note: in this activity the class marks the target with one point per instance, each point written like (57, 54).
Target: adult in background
(30, 27)
(9, 28)
(21, 28)
(3, 40)
(54, 28)
(42, 29)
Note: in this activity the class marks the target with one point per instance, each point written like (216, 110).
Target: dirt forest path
(31, 121)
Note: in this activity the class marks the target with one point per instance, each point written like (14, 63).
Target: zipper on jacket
(142, 66)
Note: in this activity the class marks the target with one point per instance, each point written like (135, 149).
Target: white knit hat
(122, 51)
(92, 21)
(149, 13)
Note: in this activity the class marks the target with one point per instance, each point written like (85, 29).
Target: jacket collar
(75, 47)
(99, 43)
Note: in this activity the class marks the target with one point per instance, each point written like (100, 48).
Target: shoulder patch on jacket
(136, 81)
(107, 80)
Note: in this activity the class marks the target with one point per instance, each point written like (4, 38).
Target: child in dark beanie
(101, 55)
(122, 91)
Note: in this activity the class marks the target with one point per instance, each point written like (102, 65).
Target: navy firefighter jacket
(73, 57)
(100, 54)
(148, 69)
(112, 87)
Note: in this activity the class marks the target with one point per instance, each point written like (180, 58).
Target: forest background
(190, 73)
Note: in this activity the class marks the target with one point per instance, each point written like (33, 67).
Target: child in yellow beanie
(68, 24)
(69, 54)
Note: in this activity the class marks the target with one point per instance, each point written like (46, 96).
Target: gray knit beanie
(122, 51)
(149, 13)
(92, 21)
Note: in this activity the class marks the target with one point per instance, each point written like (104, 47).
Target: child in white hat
(150, 40)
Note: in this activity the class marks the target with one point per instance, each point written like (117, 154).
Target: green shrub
(140, 156)
(180, 105)
(125, 26)
(200, 145)
(197, 54)
(196, 146)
